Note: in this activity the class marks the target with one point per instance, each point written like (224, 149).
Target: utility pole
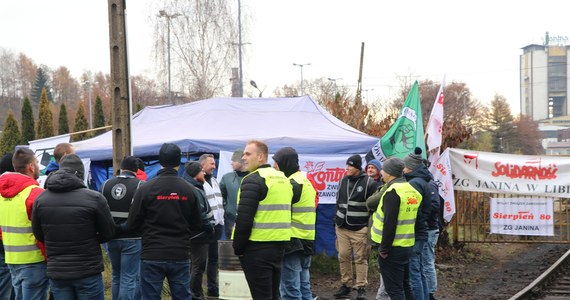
(301, 66)
(169, 17)
(240, 53)
(359, 87)
(120, 97)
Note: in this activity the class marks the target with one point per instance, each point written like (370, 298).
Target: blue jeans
(125, 256)
(295, 277)
(88, 288)
(153, 273)
(417, 277)
(6, 290)
(29, 281)
(428, 261)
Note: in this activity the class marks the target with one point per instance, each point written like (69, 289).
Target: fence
(471, 223)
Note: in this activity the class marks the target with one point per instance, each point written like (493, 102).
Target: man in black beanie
(72, 221)
(418, 175)
(351, 220)
(167, 211)
(125, 248)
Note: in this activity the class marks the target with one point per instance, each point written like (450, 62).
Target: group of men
(164, 228)
(168, 227)
(395, 207)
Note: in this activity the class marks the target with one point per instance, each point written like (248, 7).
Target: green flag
(406, 133)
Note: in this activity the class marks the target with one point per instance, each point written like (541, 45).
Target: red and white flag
(442, 176)
(434, 126)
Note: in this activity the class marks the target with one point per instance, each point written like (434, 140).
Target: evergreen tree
(99, 120)
(41, 84)
(28, 122)
(500, 125)
(80, 124)
(45, 118)
(11, 135)
(63, 122)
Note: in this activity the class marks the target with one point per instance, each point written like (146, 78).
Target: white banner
(511, 174)
(522, 216)
(326, 171)
(44, 153)
(441, 171)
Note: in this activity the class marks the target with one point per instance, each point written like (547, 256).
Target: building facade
(544, 79)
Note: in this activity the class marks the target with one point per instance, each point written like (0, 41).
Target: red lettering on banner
(526, 171)
(521, 215)
(468, 158)
(441, 168)
(321, 176)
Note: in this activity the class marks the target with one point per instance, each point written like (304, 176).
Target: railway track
(553, 284)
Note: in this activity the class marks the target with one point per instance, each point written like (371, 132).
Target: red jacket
(11, 184)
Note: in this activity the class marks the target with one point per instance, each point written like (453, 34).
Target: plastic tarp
(226, 124)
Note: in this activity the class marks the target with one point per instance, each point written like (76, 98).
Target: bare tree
(65, 88)
(203, 38)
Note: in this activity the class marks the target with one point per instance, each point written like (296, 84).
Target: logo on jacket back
(118, 191)
(412, 201)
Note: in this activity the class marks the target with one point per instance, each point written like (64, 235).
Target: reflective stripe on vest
(272, 220)
(410, 200)
(215, 200)
(303, 213)
(20, 245)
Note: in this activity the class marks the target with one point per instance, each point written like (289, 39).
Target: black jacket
(351, 211)
(71, 220)
(167, 211)
(206, 234)
(252, 190)
(420, 179)
(119, 192)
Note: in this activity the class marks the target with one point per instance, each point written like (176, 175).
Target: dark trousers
(261, 264)
(198, 259)
(212, 267)
(395, 271)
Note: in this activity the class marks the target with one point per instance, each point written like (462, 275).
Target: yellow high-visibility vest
(20, 245)
(410, 200)
(304, 213)
(272, 221)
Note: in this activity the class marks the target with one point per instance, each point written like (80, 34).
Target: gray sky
(476, 42)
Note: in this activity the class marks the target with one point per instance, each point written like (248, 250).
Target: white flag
(442, 176)
(435, 122)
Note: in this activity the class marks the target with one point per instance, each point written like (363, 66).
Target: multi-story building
(544, 78)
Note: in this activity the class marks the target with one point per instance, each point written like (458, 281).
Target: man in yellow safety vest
(393, 228)
(24, 255)
(263, 222)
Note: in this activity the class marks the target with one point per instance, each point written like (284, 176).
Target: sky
(476, 42)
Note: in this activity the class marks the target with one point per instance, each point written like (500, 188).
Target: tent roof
(228, 123)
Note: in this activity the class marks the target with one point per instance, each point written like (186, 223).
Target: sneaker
(343, 291)
(361, 294)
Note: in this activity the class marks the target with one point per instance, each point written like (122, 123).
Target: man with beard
(24, 255)
(351, 220)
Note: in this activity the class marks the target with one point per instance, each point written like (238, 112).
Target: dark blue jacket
(420, 179)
